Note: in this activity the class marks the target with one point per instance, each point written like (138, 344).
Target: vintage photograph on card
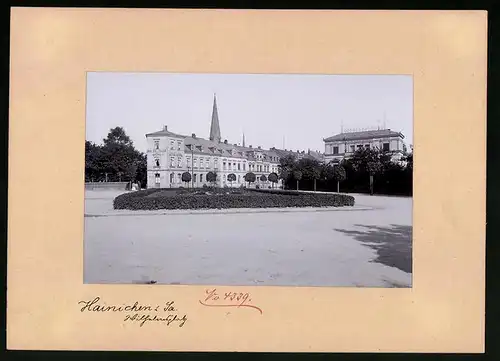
(248, 179)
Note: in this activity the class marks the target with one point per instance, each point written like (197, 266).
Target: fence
(106, 185)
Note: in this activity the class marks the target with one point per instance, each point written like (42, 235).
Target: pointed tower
(214, 126)
(243, 139)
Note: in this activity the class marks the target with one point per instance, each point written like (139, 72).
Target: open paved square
(368, 245)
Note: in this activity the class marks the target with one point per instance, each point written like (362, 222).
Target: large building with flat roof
(344, 144)
(170, 154)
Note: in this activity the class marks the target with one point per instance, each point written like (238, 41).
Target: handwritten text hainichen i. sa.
(165, 313)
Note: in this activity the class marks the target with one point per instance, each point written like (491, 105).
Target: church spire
(214, 127)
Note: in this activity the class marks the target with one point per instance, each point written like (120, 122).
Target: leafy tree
(339, 174)
(186, 178)
(142, 170)
(371, 162)
(120, 161)
(310, 168)
(250, 178)
(115, 160)
(285, 168)
(231, 178)
(273, 178)
(297, 175)
(93, 162)
(409, 161)
(328, 172)
(212, 178)
(263, 178)
(117, 135)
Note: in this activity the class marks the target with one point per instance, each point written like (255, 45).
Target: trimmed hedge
(267, 199)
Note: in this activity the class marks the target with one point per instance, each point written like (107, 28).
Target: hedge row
(289, 192)
(139, 201)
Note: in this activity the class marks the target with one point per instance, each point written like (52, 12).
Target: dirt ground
(368, 245)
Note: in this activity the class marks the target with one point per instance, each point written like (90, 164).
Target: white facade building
(343, 145)
(170, 154)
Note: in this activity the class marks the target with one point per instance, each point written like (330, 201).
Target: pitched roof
(367, 134)
(165, 133)
(315, 155)
(209, 147)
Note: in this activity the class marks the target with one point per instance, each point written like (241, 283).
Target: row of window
(204, 163)
(173, 144)
(197, 177)
(353, 148)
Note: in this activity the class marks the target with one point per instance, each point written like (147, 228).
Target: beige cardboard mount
(444, 51)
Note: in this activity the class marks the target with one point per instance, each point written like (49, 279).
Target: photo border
(444, 312)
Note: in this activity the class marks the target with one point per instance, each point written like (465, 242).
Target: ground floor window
(157, 178)
(171, 177)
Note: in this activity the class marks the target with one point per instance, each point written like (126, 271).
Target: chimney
(165, 128)
(225, 141)
(193, 135)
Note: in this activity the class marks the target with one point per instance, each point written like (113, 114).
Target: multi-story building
(343, 145)
(170, 154)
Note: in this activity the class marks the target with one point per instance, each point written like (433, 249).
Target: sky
(273, 110)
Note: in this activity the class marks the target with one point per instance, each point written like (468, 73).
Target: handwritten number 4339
(231, 296)
(228, 299)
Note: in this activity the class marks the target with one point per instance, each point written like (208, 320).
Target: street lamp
(192, 168)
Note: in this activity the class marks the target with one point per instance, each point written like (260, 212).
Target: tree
(186, 178)
(297, 175)
(231, 178)
(339, 175)
(263, 178)
(371, 162)
(310, 168)
(328, 172)
(212, 178)
(273, 178)
(117, 135)
(142, 170)
(285, 169)
(250, 178)
(93, 162)
(284, 176)
(115, 160)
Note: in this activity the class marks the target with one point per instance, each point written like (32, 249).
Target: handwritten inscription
(214, 298)
(166, 313)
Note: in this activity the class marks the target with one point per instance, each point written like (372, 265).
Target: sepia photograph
(248, 179)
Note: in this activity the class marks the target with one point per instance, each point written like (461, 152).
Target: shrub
(247, 199)
(186, 177)
(204, 186)
(250, 177)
